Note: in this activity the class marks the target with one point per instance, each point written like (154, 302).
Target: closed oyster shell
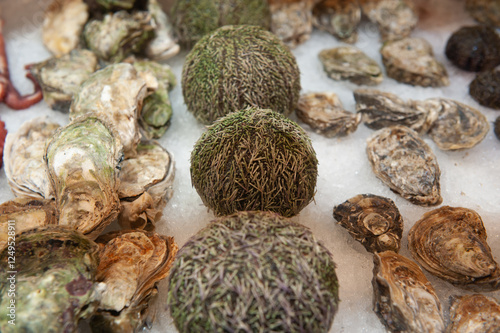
(82, 161)
(24, 165)
(405, 163)
(404, 299)
(163, 45)
(62, 25)
(450, 242)
(61, 77)
(341, 18)
(485, 11)
(373, 220)
(55, 273)
(474, 313)
(485, 88)
(497, 127)
(145, 185)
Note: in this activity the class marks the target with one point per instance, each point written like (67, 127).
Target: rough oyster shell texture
(405, 163)
(404, 299)
(450, 242)
(82, 161)
(163, 45)
(485, 88)
(474, 313)
(339, 17)
(485, 11)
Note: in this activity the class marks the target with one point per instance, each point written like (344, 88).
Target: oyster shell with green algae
(450, 243)
(115, 94)
(24, 213)
(23, 158)
(132, 263)
(341, 18)
(146, 184)
(403, 298)
(254, 159)
(256, 271)
(54, 280)
(61, 77)
(82, 161)
(372, 220)
(473, 314)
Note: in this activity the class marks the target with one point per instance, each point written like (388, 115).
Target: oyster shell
(485, 88)
(82, 161)
(145, 185)
(450, 242)
(373, 220)
(115, 5)
(404, 299)
(324, 113)
(474, 313)
(114, 94)
(24, 214)
(61, 77)
(62, 25)
(497, 127)
(350, 63)
(132, 263)
(411, 61)
(484, 11)
(24, 165)
(341, 18)
(163, 45)
(55, 272)
(118, 35)
(405, 163)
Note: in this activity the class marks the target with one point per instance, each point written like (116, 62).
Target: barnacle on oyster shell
(404, 299)
(450, 242)
(473, 314)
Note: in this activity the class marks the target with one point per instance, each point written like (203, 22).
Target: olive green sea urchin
(194, 19)
(254, 159)
(236, 67)
(253, 272)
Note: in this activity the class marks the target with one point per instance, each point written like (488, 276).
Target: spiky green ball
(194, 19)
(236, 67)
(253, 272)
(254, 159)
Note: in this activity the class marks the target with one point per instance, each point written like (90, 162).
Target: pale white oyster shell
(163, 46)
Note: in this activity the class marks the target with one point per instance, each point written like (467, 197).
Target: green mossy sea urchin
(254, 159)
(253, 272)
(236, 67)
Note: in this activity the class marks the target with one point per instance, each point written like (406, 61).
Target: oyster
(54, 280)
(485, 11)
(373, 220)
(115, 5)
(118, 35)
(485, 88)
(350, 63)
(474, 313)
(23, 214)
(115, 94)
(497, 127)
(395, 19)
(61, 77)
(163, 45)
(339, 17)
(24, 165)
(411, 61)
(404, 299)
(132, 263)
(145, 185)
(450, 242)
(63, 23)
(82, 160)
(405, 163)
(324, 113)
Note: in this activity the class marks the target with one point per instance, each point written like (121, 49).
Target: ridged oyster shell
(473, 314)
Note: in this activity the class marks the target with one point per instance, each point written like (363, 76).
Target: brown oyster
(450, 242)
(373, 220)
(324, 113)
(411, 61)
(485, 88)
(497, 127)
(145, 185)
(350, 63)
(485, 11)
(132, 263)
(404, 299)
(338, 17)
(405, 163)
(473, 314)
(23, 157)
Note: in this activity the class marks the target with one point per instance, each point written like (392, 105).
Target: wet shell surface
(373, 220)
(405, 163)
(411, 61)
(485, 88)
(341, 18)
(450, 242)
(473, 314)
(404, 300)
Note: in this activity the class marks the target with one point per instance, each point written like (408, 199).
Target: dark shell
(485, 11)
(485, 88)
(474, 48)
(373, 220)
(497, 128)
(473, 314)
